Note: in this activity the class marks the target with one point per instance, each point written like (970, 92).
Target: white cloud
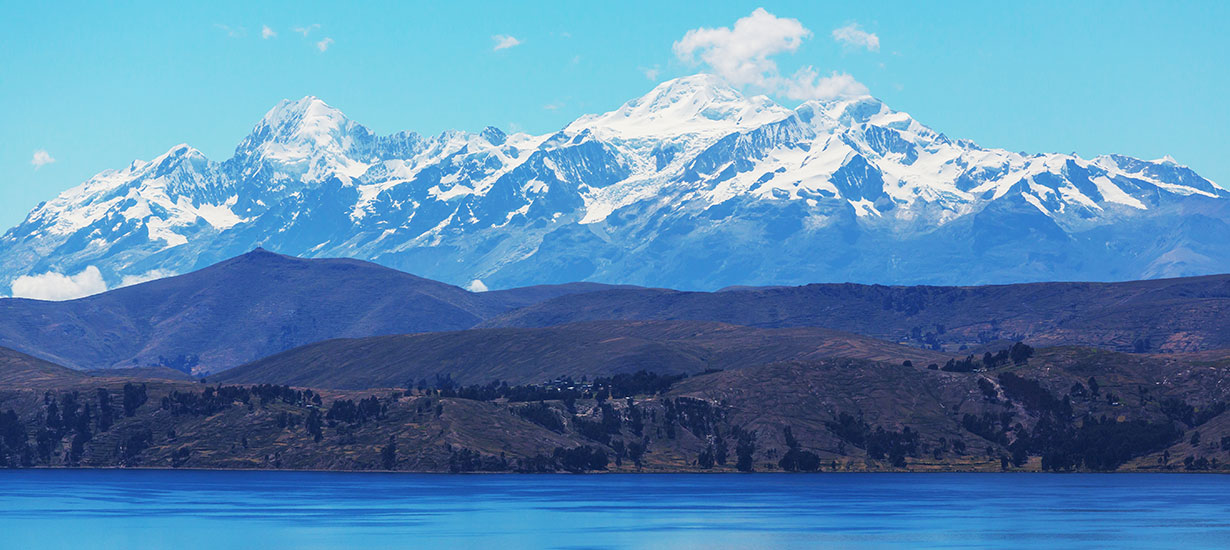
(306, 30)
(129, 280)
(267, 32)
(231, 32)
(57, 286)
(553, 106)
(651, 73)
(854, 37)
(324, 44)
(41, 158)
(476, 286)
(808, 84)
(504, 41)
(743, 56)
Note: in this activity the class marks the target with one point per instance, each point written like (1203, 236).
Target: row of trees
(618, 386)
(1018, 354)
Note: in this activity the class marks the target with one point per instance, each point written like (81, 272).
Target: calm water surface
(184, 510)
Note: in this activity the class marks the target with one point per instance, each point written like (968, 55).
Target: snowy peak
(688, 105)
(307, 140)
(306, 119)
(692, 185)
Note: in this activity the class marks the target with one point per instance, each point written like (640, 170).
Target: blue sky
(96, 86)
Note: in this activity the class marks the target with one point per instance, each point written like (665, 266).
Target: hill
(1062, 409)
(19, 369)
(1165, 315)
(534, 355)
(238, 310)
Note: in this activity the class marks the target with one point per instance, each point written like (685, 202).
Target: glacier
(693, 186)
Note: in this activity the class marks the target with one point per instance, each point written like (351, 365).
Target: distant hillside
(19, 369)
(513, 298)
(260, 304)
(1167, 315)
(533, 355)
(143, 373)
(241, 309)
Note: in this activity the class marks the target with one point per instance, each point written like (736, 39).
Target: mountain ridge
(1160, 315)
(245, 308)
(262, 303)
(693, 186)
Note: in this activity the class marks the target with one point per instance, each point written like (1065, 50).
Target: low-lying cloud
(153, 274)
(58, 286)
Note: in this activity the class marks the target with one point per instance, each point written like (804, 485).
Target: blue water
(184, 510)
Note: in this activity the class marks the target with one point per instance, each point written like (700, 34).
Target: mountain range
(321, 322)
(692, 186)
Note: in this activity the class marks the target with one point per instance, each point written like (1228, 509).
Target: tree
(705, 459)
(796, 459)
(1020, 353)
(106, 413)
(134, 397)
(388, 454)
(744, 450)
(53, 415)
(314, 425)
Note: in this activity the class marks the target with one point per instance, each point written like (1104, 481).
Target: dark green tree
(388, 454)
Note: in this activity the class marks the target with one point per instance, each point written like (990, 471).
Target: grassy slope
(19, 369)
(533, 355)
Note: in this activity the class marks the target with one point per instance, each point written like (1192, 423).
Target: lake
(184, 510)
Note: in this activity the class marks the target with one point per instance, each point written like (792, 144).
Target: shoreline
(616, 473)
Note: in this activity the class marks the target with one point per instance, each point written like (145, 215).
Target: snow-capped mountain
(694, 185)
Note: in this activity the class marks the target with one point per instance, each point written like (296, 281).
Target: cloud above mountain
(504, 41)
(854, 37)
(41, 158)
(808, 84)
(743, 55)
